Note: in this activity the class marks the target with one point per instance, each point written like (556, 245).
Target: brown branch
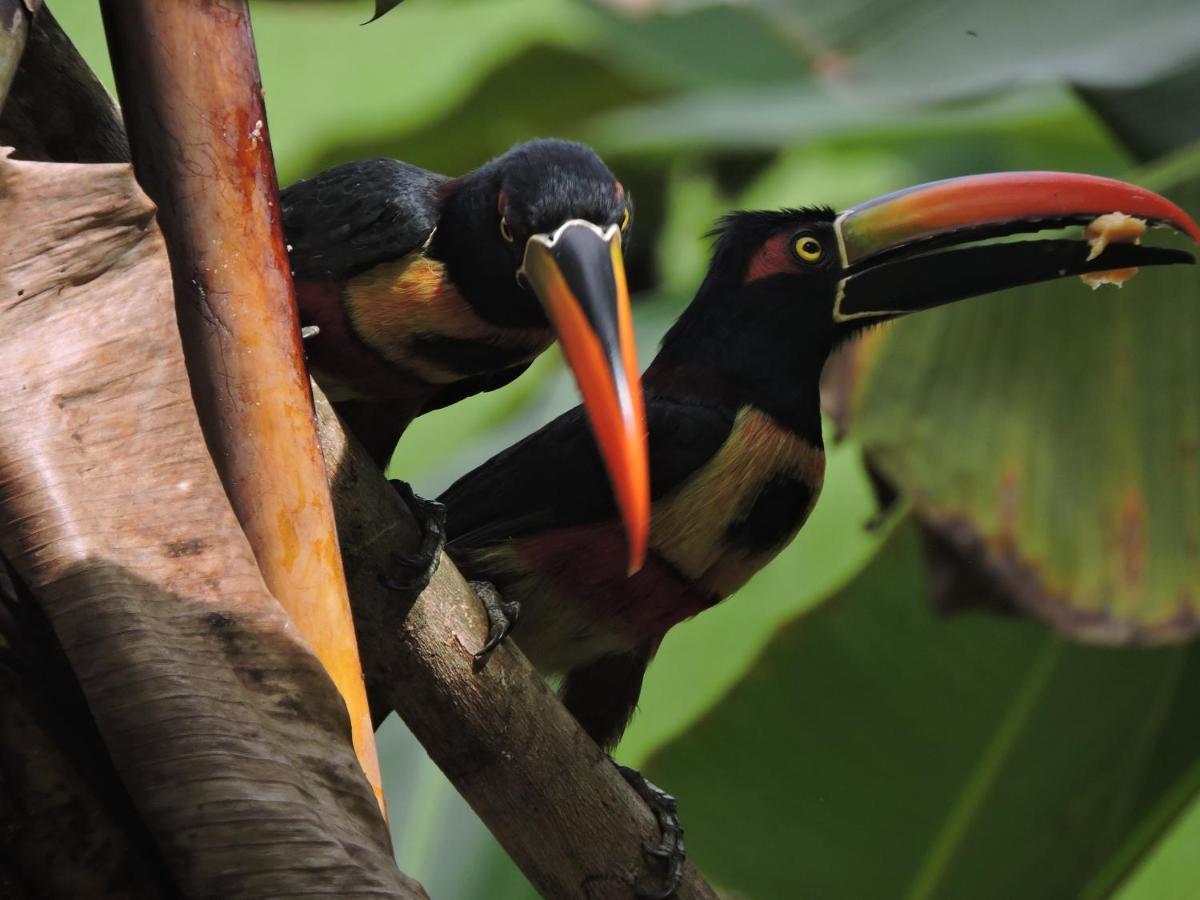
(536, 780)
(225, 729)
(188, 77)
(543, 787)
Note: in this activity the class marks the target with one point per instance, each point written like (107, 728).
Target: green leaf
(862, 64)
(397, 75)
(1147, 116)
(876, 751)
(1172, 870)
(729, 119)
(1050, 435)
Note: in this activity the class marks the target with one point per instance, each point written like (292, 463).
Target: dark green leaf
(876, 751)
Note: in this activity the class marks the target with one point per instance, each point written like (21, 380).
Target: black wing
(349, 218)
(555, 478)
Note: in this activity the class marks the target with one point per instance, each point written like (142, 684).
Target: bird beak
(903, 252)
(578, 274)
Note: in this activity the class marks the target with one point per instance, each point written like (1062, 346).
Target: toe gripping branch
(502, 617)
(670, 852)
(413, 571)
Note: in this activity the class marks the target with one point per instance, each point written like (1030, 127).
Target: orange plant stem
(189, 84)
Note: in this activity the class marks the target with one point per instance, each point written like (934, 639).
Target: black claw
(413, 571)
(671, 851)
(502, 616)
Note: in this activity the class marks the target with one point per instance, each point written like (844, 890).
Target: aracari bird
(732, 403)
(416, 290)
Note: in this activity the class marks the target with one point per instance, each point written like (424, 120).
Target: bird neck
(739, 345)
(477, 263)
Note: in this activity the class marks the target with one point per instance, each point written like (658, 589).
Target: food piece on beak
(1118, 277)
(578, 274)
(1114, 227)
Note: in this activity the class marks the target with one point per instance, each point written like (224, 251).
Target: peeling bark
(226, 731)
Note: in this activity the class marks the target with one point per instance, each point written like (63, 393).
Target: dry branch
(188, 78)
(113, 514)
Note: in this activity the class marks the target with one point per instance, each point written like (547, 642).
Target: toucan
(733, 409)
(416, 290)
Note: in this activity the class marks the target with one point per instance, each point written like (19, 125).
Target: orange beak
(578, 274)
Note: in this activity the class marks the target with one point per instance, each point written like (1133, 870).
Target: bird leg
(415, 569)
(671, 851)
(502, 616)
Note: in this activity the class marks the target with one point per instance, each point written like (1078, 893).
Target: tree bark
(188, 77)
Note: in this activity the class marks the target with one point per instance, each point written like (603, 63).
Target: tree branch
(188, 77)
(543, 787)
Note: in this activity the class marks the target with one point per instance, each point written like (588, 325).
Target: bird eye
(505, 231)
(625, 220)
(808, 249)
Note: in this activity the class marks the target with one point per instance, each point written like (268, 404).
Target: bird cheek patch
(773, 258)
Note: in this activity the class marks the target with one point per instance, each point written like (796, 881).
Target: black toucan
(732, 404)
(417, 290)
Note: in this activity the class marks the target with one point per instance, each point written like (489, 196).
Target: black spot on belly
(778, 510)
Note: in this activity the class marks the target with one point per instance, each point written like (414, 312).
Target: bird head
(536, 236)
(786, 287)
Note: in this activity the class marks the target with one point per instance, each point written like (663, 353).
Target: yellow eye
(505, 231)
(625, 220)
(808, 248)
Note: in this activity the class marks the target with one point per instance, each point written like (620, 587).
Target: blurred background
(972, 674)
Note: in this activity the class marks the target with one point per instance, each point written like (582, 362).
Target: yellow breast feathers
(395, 302)
(690, 527)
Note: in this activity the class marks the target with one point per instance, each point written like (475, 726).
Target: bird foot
(412, 572)
(670, 852)
(502, 616)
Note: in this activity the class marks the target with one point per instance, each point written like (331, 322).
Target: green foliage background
(830, 736)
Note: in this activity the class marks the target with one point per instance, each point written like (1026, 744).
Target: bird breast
(734, 514)
(410, 313)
